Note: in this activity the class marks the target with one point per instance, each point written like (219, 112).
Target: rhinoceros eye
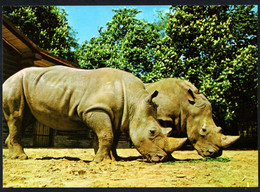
(203, 131)
(152, 132)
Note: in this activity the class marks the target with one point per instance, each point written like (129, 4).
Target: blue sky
(86, 20)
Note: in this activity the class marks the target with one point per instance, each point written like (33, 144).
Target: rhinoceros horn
(227, 140)
(174, 144)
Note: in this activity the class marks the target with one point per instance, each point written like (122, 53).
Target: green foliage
(215, 48)
(46, 26)
(161, 22)
(205, 159)
(127, 43)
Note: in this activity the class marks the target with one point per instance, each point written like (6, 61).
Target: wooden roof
(28, 49)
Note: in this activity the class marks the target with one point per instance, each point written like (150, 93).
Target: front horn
(227, 140)
(174, 144)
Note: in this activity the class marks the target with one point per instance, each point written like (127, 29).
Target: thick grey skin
(189, 114)
(108, 101)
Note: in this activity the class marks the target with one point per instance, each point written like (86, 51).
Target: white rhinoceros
(108, 101)
(189, 113)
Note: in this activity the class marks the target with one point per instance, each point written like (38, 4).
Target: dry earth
(73, 168)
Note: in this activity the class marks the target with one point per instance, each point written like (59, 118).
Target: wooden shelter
(20, 52)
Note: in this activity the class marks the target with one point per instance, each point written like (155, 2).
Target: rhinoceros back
(60, 96)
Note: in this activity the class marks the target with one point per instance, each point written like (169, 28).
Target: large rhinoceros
(189, 114)
(107, 101)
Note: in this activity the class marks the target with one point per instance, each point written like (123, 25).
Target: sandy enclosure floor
(73, 168)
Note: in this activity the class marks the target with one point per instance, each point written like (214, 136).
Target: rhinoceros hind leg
(22, 156)
(13, 140)
(14, 109)
(100, 123)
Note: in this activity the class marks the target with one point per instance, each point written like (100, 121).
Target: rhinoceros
(108, 101)
(189, 113)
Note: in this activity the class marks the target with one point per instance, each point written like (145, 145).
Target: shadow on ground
(65, 157)
(132, 158)
(140, 158)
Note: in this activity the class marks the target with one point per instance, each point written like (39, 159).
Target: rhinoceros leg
(113, 152)
(13, 140)
(100, 123)
(95, 143)
(13, 109)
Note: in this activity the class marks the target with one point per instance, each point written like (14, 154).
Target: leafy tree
(161, 22)
(46, 26)
(214, 47)
(127, 43)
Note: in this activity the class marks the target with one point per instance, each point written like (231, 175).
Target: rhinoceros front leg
(113, 151)
(100, 123)
(95, 143)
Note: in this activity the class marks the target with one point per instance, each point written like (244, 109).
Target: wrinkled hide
(189, 113)
(108, 101)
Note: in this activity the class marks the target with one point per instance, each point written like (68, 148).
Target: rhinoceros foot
(15, 149)
(22, 156)
(102, 158)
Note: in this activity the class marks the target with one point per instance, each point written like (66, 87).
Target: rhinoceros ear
(149, 99)
(155, 93)
(191, 97)
(167, 131)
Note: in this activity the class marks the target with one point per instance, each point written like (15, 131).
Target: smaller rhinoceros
(190, 114)
(108, 101)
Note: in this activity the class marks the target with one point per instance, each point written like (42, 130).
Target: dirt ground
(73, 168)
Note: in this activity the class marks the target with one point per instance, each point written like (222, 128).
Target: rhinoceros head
(205, 136)
(149, 138)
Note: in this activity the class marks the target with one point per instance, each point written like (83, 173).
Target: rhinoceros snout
(156, 157)
(211, 153)
(215, 153)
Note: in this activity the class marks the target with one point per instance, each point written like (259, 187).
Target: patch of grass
(169, 163)
(206, 159)
(216, 166)
(220, 159)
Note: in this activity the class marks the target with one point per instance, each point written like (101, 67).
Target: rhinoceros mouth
(216, 153)
(156, 157)
(213, 152)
